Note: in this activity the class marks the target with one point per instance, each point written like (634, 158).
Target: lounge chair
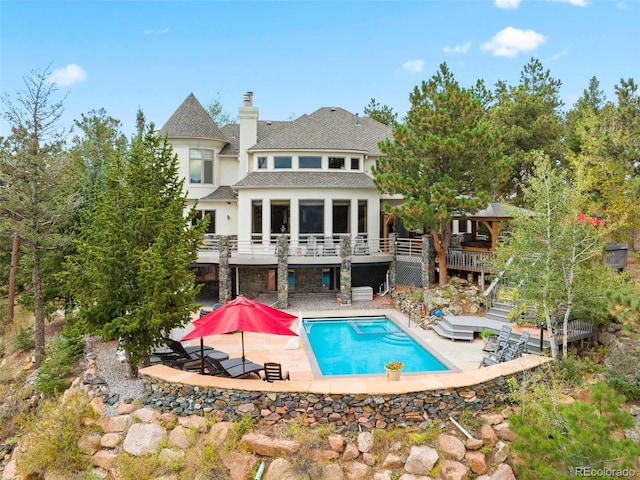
(233, 367)
(329, 246)
(510, 352)
(273, 371)
(494, 343)
(187, 357)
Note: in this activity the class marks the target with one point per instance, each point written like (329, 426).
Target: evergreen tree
(38, 194)
(443, 160)
(132, 274)
(380, 113)
(99, 139)
(529, 119)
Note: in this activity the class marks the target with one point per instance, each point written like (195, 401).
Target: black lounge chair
(187, 358)
(273, 371)
(233, 367)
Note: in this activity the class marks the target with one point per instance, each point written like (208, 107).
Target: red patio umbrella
(242, 315)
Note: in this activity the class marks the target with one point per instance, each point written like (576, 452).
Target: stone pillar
(393, 251)
(225, 293)
(428, 261)
(282, 256)
(345, 269)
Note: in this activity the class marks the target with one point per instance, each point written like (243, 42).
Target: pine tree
(38, 197)
(443, 160)
(136, 249)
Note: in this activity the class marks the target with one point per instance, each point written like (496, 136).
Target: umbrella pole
(243, 364)
(201, 356)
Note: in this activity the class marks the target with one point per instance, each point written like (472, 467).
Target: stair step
(456, 334)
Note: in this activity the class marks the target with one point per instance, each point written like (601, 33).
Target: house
(308, 180)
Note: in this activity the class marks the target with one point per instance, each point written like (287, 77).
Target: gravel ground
(118, 385)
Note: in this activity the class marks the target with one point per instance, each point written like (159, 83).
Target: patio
(261, 348)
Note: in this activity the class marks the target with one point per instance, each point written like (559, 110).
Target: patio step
(500, 311)
(453, 330)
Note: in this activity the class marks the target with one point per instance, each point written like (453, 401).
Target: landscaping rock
(332, 471)
(143, 438)
(351, 452)
(503, 472)
(267, 446)
(365, 441)
(450, 447)
(453, 470)
(487, 434)
(421, 460)
(477, 461)
(280, 469)
(336, 443)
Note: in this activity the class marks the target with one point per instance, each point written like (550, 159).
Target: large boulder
(267, 446)
(143, 438)
(421, 460)
(450, 447)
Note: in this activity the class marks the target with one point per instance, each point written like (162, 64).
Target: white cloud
(507, 3)
(413, 66)
(510, 41)
(458, 48)
(68, 75)
(577, 3)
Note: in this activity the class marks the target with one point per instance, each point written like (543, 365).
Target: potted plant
(393, 370)
(485, 334)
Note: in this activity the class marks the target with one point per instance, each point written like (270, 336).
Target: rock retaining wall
(351, 411)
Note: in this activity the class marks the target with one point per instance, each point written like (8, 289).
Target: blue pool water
(360, 346)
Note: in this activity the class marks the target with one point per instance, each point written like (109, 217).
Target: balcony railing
(308, 245)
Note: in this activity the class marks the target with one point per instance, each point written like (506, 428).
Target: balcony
(308, 249)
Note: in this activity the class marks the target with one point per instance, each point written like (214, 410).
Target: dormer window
(282, 162)
(262, 163)
(336, 163)
(309, 162)
(200, 166)
(355, 163)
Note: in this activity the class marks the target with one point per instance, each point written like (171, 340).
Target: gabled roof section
(223, 192)
(328, 129)
(191, 120)
(232, 132)
(300, 179)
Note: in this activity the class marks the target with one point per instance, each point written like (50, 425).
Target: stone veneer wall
(350, 410)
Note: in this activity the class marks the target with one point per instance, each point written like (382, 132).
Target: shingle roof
(191, 120)
(232, 132)
(223, 192)
(328, 129)
(306, 179)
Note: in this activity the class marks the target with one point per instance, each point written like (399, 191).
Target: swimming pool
(362, 345)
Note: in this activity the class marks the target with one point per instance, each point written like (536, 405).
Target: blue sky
(297, 56)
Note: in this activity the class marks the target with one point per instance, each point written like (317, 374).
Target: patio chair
(493, 358)
(187, 357)
(493, 343)
(361, 247)
(273, 371)
(510, 352)
(233, 367)
(312, 246)
(329, 246)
